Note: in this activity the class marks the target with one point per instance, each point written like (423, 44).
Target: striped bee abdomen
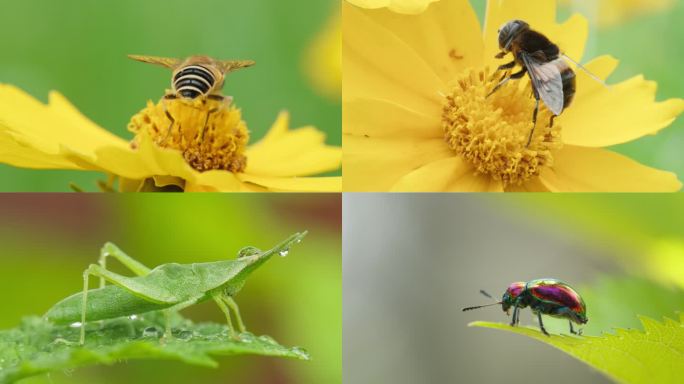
(193, 81)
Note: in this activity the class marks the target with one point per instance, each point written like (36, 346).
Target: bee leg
(541, 324)
(169, 96)
(551, 121)
(506, 66)
(514, 76)
(534, 120)
(206, 122)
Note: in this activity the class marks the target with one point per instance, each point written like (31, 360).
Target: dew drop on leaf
(284, 252)
(267, 339)
(185, 335)
(247, 337)
(75, 325)
(248, 251)
(151, 332)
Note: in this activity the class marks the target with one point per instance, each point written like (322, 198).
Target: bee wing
(163, 61)
(547, 80)
(233, 65)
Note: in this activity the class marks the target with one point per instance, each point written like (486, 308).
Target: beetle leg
(226, 311)
(541, 324)
(109, 249)
(515, 316)
(236, 310)
(572, 330)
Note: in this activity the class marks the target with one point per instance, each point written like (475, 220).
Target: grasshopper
(168, 287)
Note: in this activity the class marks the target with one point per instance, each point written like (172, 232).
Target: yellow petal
(378, 65)
(49, 128)
(375, 118)
(220, 181)
(401, 6)
(295, 184)
(447, 35)
(602, 117)
(18, 154)
(578, 169)
(570, 36)
(284, 153)
(375, 164)
(446, 175)
(532, 185)
(146, 161)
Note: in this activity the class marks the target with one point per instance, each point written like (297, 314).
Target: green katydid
(168, 287)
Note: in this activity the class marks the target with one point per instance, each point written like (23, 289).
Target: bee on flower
(420, 115)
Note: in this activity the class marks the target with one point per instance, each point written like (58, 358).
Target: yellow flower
(401, 6)
(323, 61)
(415, 116)
(201, 152)
(612, 12)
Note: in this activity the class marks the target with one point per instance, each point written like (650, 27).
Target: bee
(553, 81)
(196, 77)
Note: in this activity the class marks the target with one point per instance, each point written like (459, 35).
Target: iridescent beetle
(544, 296)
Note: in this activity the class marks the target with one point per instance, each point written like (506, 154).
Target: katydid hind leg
(111, 250)
(236, 310)
(224, 308)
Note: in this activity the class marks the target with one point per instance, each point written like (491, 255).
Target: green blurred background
(648, 44)
(48, 240)
(79, 48)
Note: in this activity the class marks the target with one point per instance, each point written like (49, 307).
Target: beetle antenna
(480, 306)
(482, 291)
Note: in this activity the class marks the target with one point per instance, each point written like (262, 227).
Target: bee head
(509, 31)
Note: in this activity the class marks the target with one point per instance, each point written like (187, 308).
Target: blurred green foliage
(651, 45)
(48, 240)
(644, 233)
(79, 48)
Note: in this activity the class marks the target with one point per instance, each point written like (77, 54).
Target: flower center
(210, 134)
(492, 133)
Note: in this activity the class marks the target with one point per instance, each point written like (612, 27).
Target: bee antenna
(479, 306)
(588, 72)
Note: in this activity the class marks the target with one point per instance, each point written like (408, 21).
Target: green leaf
(37, 346)
(654, 355)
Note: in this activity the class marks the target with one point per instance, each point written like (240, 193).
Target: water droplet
(133, 317)
(248, 251)
(151, 332)
(301, 353)
(75, 325)
(284, 252)
(267, 339)
(184, 335)
(247, 337)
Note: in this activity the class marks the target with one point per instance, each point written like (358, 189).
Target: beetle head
(511, 294)
(509, 31)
